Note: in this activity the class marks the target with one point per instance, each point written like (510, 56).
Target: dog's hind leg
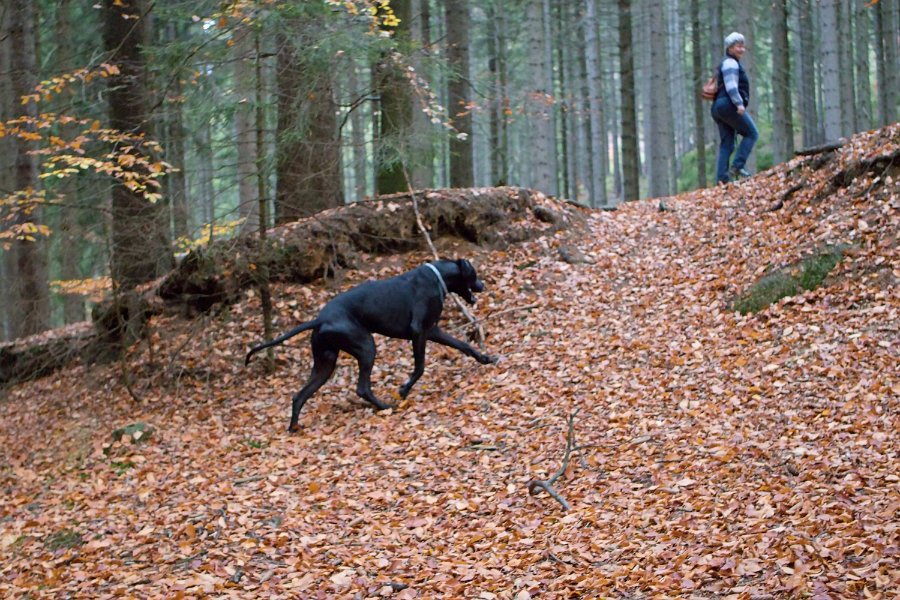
(363, 350)
(323, 366)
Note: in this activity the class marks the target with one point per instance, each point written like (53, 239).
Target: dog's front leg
(419, 367)
(436, 334)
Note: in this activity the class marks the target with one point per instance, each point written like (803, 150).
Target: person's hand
(741, 109)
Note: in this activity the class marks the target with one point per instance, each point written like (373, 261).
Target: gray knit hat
(733, 38)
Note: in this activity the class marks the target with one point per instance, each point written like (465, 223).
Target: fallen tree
(298, 252)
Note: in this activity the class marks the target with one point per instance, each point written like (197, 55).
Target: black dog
(407, 307)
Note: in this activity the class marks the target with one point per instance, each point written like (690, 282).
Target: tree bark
(699, 112)
(831, 80)
(863, 77)
(631, 163)
(539, 104)
(660, 144)
(243, 53)
(308, 159)
(462, 172)
(596, 116)
(806, 72)
(782, 115)
(393, 150)
(30, 293)
(140, 245)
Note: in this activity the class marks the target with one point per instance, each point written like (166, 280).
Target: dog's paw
(486, 359)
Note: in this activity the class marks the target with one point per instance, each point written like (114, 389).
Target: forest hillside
(708, 453)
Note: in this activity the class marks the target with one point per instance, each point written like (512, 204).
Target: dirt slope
(723, 456)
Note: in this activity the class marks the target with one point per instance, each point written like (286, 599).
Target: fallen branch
(498, 313)
(812, 150)
(779, 204)
(571, 447)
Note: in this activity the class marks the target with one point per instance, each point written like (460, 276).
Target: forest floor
(719, 455)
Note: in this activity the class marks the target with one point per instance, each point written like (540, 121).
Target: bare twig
(501, 312)
(571, 447)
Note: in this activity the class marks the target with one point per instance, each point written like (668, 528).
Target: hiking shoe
(736, 174)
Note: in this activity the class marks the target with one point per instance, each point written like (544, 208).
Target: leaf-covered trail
(729, 456)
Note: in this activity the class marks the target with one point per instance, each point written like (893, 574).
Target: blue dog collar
(443, 285)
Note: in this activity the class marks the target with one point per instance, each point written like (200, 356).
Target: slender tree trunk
(888, 77)
(262, 193)
(782, 115)
(747, 25)
(8, 308)
(462, 172)
(806, 73)
(393, 149)
(422, 158)
(631, 163)
(69, 234)
(861, 65)
(358, 129)
(30, 290)
(845, 69)
(495, 97)
(660, 109)
(244, 55)
(568, 14)
(562, 94)
(831, 80)
(597, 180)
(699, 112)
(540, 104)
(140, 250)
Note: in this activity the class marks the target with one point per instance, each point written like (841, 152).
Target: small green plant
(63, 539)
(806, 274)
(258, 444)
(122, 467)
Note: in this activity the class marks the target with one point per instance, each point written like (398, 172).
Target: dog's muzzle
(476, 287)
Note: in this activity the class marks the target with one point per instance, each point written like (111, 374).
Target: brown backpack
(710, 88)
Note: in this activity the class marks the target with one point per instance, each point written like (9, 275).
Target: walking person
(729, 111)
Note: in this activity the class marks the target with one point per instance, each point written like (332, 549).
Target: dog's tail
(298, 329)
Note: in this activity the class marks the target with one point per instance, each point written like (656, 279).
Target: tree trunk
(597, 174)
(806, 73)
(697, 79)
(845, 70)
(462, 172)
(393, 151)
(782, 115)
(308, 160)
(539, 104)
(887, 61)
(422, 157)
(831, 80)
(747, 26)
(140, 248)
(631, 162)
(861, 65)
(69, 234)
(243, 53)
(358, 120)
(660, 109)
(30, 290)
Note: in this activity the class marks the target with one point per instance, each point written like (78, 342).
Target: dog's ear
(465, 268)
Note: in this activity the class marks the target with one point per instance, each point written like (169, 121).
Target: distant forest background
(134, 130)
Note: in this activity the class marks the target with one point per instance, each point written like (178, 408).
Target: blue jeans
(730, 123)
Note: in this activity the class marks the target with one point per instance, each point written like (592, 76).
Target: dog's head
(467, 284)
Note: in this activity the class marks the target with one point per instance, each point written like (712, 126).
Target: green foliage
(64, 539)
(806, 274)
(122, 467)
